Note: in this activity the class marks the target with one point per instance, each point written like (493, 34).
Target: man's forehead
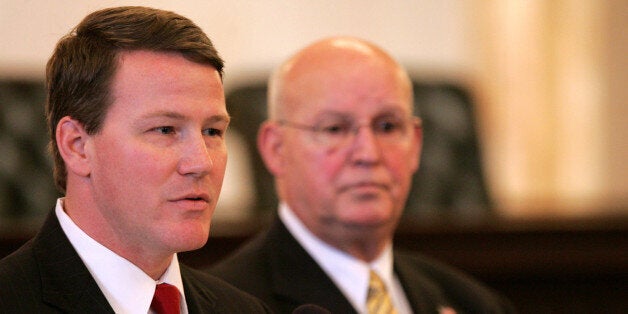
(372, 111)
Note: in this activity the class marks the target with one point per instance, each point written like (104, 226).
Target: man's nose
(195, 157)
(365, 146)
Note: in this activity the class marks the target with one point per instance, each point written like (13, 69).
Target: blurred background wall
(548, 77)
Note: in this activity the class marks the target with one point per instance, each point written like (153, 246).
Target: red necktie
(166, 299)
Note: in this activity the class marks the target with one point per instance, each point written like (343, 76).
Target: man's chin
(372, 221)
(191, 239)
(375, 211)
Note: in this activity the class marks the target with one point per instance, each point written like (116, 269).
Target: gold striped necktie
(378, 301)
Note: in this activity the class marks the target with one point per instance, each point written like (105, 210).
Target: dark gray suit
(46, 275)
(275, 268)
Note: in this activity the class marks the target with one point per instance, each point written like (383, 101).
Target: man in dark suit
(137, 119)
(342, 143)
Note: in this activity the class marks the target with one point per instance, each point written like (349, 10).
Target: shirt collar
(115, 275)
(350, 274)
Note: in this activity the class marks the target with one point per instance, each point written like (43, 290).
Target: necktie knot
(166, 300)
(378, 300)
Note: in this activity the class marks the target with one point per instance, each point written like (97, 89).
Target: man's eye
(387, 126)
(213, 132)
(165, 129)
(334, 129)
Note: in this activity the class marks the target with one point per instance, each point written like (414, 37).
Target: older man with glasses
(342, 143)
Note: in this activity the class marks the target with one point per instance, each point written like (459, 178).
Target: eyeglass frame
(413, 122)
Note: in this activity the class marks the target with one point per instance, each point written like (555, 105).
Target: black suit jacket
(46, 275)
(275, 268)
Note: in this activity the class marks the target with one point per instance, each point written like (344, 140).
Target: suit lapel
(423, 295)
(198, 297)
(297, 277)
(66, 282)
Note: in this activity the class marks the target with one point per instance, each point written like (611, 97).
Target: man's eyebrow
(163, 114)
(178, 116)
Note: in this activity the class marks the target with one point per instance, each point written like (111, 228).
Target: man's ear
(72, 142)
(269, 144)
(417, 143)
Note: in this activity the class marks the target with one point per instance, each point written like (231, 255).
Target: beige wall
(254, 35)
(553, 74)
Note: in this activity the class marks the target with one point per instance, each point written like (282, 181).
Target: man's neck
(94, 224)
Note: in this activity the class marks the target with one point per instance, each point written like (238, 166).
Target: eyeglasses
(341, 132)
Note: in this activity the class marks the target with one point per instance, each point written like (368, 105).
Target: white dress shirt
(350, 274)
(127, 288)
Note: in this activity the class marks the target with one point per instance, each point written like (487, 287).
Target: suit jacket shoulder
(46, 275)
(430, 284)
